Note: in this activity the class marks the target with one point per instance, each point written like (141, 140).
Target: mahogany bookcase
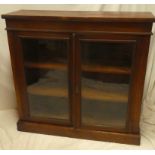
(80, 74)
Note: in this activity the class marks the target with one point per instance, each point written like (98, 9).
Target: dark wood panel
(137, 83)
(18, 75)
(89, 27)
(79, 133)
(81, 15)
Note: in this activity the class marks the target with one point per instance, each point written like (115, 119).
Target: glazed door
(47, 74)
(105, 77)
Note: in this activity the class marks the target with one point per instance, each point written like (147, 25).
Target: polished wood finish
(92, 68)
(46, 65)
(79, 133)
(106, 69)
(81, 15)
(74, 26)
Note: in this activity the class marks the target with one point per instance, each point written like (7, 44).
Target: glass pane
(106, 53)
(46, 74)
(105, 78)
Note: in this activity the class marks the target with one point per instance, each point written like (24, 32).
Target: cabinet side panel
(139, 70)
(18, 74)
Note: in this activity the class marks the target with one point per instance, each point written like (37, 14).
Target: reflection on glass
(104, 103)
(47, 77)
(45, 51)
(107, 53)
(106, 69)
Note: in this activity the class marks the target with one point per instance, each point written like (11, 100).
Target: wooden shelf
(93, 94)
(87, 68)
(46, 91)
(42, 107)
(87, 93)
(106, 69)
(59, 66)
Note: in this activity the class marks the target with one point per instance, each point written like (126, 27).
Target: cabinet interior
(105, 77)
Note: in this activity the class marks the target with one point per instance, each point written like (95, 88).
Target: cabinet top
(81, 16)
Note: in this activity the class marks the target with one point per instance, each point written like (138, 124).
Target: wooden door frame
(19, 75)
(136, 84)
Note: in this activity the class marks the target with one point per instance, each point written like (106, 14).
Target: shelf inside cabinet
(45, 65)
(111, 94)
(106, 69)
(40, 108)
(86, 68)
(94, 94)
(46, 91)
